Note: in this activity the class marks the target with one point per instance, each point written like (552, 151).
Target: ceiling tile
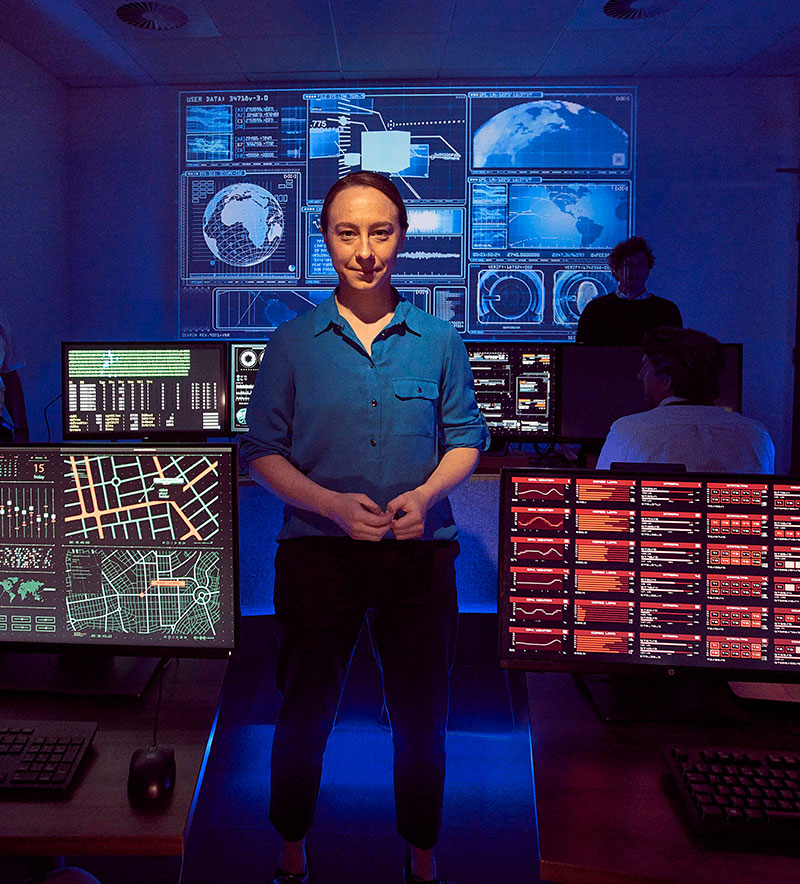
(780, 59)
(317, 53)
(601, 53)
(522, 53)
(195, 57)
(74, 62)
(705, 52)
(393, 52)
(482, 16)
(379, 19)
(255, 18)
(53, 22)
(775, 15)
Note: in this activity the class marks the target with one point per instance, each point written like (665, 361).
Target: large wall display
(515, 197)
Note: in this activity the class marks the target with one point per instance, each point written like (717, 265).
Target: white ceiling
(83, 43)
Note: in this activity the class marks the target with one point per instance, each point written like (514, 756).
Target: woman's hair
(628, 247)
(691, 359)
(365, 179)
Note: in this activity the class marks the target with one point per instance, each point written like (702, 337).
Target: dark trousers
(324, 587)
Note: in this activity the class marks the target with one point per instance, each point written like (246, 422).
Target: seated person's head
(681, 362)
(631, 262)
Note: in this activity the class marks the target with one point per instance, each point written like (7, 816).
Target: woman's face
(364, 238)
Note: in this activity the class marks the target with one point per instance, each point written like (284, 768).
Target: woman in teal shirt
(352, 406)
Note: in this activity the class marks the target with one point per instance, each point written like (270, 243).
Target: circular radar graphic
(243, 224)
(575, 288)
(510, 297)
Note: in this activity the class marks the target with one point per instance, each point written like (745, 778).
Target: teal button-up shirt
(364, 424)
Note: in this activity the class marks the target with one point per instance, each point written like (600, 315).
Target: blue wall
(34, 222)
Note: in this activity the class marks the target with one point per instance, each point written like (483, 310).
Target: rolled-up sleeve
(271, 408)
(461, 424)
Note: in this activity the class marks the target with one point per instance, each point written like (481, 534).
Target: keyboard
(41, 757)
(741, 794)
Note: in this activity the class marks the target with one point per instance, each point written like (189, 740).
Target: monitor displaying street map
(124, 547)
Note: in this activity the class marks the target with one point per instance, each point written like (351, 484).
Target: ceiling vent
(633, 10)
(152, 16)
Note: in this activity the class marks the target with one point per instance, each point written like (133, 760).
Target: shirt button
(419, 389)
(374, 403)
(372, 442)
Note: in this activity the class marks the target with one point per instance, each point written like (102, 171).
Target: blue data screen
(515, 197)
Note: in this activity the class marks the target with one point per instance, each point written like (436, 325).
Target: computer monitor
(631, 573)
(515, 387)
(245, 360)
(160, 390)
(599, 384)
(131, 549)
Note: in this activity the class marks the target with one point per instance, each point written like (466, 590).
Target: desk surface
(605, 809)
(96, 818)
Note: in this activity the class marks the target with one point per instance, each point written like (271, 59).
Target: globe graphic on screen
(549, 135)
(243, 224)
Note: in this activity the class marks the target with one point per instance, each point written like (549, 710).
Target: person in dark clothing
(624, 316)
(353, 403)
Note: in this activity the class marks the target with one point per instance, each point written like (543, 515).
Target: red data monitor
(618, 571)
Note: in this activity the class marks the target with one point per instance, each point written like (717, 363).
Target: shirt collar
(644, 295)
(327, 314)
(670, 399)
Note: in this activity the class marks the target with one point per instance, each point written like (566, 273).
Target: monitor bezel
(555, 384)
(630, 668)
(149, 650)
(156, 436)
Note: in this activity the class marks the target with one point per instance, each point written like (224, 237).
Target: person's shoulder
(658, 301)
(632, 423)
(302, 325)
(600, 302)
(741, 420)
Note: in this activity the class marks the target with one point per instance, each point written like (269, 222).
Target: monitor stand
(660, 698)
(83, 672)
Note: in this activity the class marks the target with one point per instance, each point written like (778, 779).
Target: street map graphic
(170, 589)
(147, 498)
(143, 591)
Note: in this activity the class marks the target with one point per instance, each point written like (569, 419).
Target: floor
(489, 829)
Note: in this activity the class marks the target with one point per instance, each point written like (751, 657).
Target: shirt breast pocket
(415, 406)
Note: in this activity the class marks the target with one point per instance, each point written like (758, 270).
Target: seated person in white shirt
(680, 376)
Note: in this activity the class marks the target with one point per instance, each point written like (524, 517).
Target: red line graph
(539, 612)
(528, 581)
(541, 493)
(553, 644)
(541, 522)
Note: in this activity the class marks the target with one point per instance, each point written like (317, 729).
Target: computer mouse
(151, 777)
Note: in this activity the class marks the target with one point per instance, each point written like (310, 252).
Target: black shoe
(282, 877)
